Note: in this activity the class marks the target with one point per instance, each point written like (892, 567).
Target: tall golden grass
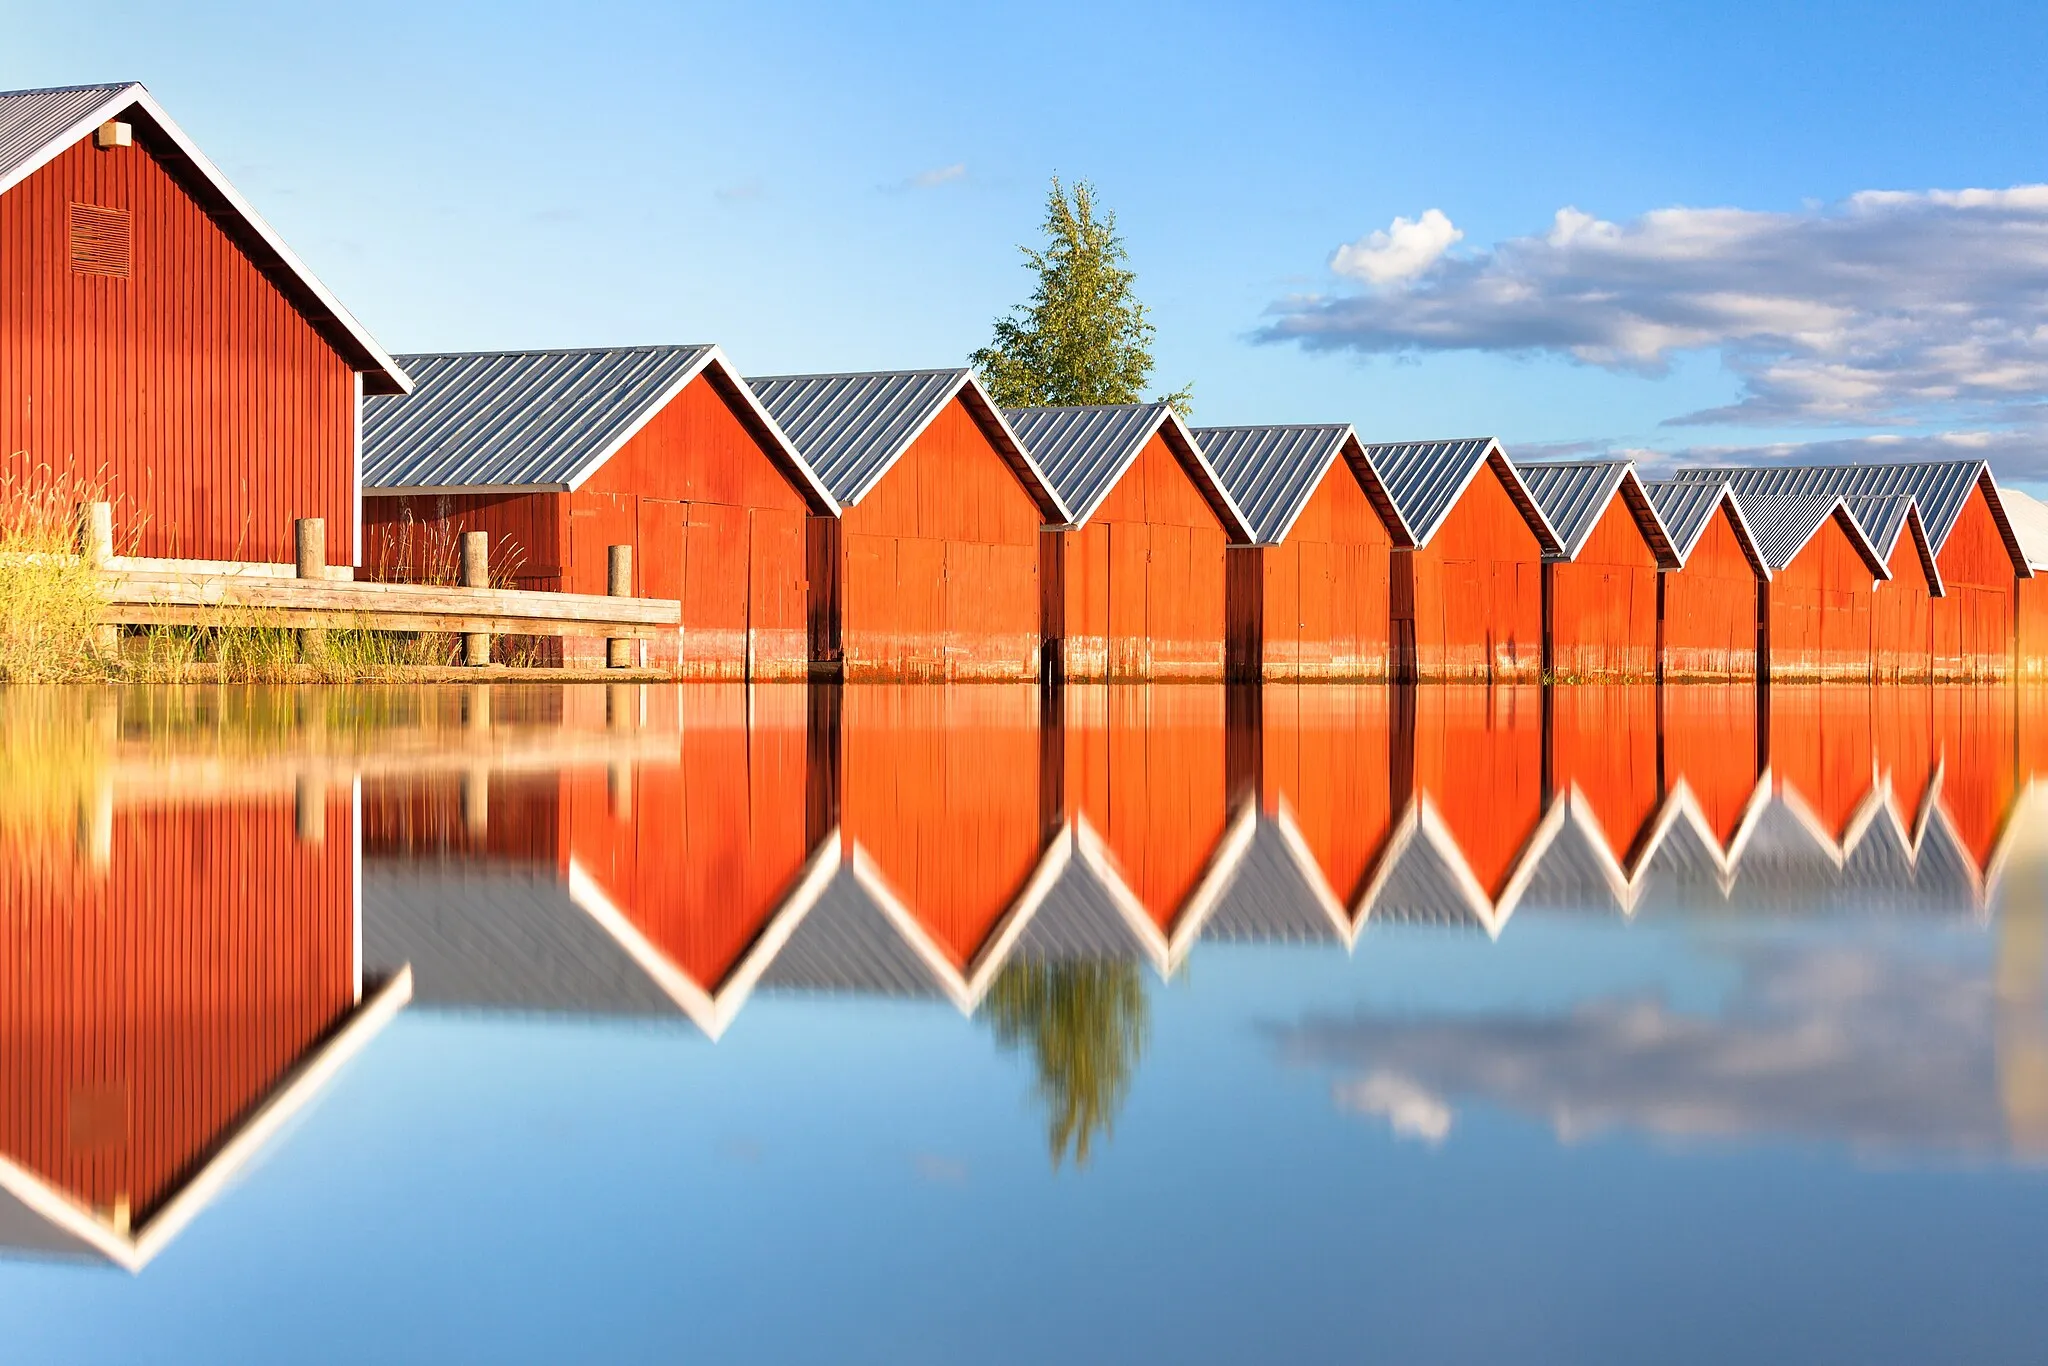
(52, 599)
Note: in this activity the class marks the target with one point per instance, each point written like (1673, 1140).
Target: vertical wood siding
(1902, 726)
(1144, 579)
(1710, 607)
(1973, 622)
(1316, 605)
(145, 1008)
(1603, 608)
(192, 392)
(1326, 756)
(1712, 746)
(424, 816)
(1473, 597)
(2030, 616)
(1901, 617)
(714, 523)
(1478, 757)
(1149, 768)
(704, 851)
(1604, 753)
(938, 564)
(943, 787)
(1974, 726)
(1820, 611)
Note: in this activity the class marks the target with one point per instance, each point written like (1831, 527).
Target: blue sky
(833, 187)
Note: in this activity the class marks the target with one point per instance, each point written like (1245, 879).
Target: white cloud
(1888, 307)
(1409, 1108)
(1402, 251)
(935, 177)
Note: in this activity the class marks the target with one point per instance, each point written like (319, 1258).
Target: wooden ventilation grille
(101, 241)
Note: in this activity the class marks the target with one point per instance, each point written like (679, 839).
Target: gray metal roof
(1687, 509)
(1940, 487)
(1078, 921)
(36, 126)
(30, 120)
(1882, 518)
(1084, 451)
(1784, 522)
(1272, 471)
(536, 419)
(847, 943)
(852, 427)
(1574, 495)
(1268, 899)
(1425, 479)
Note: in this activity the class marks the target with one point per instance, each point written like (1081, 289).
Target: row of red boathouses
(162, 348)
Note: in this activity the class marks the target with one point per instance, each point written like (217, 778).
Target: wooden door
(776, 642)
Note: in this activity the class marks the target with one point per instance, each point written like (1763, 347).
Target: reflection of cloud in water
(1848, 1045)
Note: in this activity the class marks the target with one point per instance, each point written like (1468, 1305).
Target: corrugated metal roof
(30, 120)
(1686, 508)
(38, 125)
(1784, 522)
(518, 418)
(1941, 487)
(1882, 517)
(1573, 494)
(1272, 471)
(1425, 478)
(853, 427)
(1084, 451)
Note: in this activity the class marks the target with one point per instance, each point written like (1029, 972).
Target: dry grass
(249, 647)
(51, 598)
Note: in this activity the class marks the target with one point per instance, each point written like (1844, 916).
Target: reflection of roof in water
(1276, 897)
(848, 943)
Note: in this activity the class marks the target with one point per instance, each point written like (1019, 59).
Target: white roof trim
(133, 95)
(1238, 529)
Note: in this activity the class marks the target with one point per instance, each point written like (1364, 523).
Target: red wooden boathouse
(1978, 559)
(1902, 612)
(161, 346)
(1466, 598)
(1135, 587)
(1600, 588)
(1709, 607)
(1308, 598)
(1824, 574)
(559, 455)
(932, 570)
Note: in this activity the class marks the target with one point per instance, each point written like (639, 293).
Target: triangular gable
(1168, 949)
(852, 428)
(70, 1227)
(1260, 906)
(1455, 892)
(1425, 480)
(1086, 451)
(1273, 471)
(1785, 522)
(37, 126)
(1688, 509)
(1575, 495)
(547, 421)
(711, 1006)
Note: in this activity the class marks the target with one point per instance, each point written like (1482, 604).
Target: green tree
(1084, 337)
(1084, 1025)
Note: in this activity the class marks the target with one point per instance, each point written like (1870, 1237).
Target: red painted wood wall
(1604, 754)
(700, 854)
(1477, 755)
(935, 573)
(1819, 616)
(1469, 605)
(1326, 755)
(1711, 745)
(1901, 616)
(1316, 605)
(1149, 768)
(1603, 604)
(147, 1006)
(192, 393)
(2030, 616)
(713, 520)
(1974, 726)
(1710, 608)
(1973, 621)
(1902, 728)
(1142, 584)
(943, 788)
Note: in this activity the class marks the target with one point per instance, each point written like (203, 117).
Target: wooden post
(309, 808)
(618, 583)
(96, 534)
(476, 801)
(309, 542)
(476, 573)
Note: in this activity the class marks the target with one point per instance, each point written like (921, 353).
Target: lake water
(650, 1023)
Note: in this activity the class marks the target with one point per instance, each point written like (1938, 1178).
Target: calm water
(897, 1025)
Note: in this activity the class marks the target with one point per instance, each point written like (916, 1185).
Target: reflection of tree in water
(1084, 1024)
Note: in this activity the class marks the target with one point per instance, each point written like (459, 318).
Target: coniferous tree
(1084, 337)
(1084, 1027)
